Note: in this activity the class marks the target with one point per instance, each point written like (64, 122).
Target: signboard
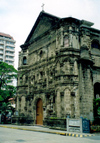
(74, 122)
(80, 125)
(86, 126)
(74, 125)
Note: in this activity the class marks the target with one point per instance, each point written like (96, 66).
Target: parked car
(8, 118)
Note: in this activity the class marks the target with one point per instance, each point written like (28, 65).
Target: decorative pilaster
(58, 104)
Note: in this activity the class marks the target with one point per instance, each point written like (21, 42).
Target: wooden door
(39, 112)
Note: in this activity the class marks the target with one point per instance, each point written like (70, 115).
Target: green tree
(97, 106)
(7, 74)
(97, 111)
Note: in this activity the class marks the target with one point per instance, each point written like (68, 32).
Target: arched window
(95, 44)
(24, 61)
(41, 53)
(97, 90)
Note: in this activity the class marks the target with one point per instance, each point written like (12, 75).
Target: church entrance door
(39, 112)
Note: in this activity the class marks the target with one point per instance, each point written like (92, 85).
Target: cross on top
(42, 7)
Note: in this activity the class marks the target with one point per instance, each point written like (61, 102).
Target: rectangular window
(7, 61)
(11, 57)
(1, 40)
(8, 42)
(11, 62)
(1, 55)
(10, 52)
(8, 47)
(1, 46)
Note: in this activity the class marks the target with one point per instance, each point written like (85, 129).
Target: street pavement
(25, 134)
(47, 130)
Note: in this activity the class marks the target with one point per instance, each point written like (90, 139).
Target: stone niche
(84, 52)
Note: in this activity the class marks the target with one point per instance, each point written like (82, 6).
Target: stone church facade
(59, 69)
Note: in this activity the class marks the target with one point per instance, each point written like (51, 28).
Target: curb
(51, 132)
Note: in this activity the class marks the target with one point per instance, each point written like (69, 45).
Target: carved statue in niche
(75, 68)
(50, 106)
(33, 78)
(67, 67)
(85, 40)
(37, 56)
(51, 74)
(58, 39)
(24, 79)
(29, 80)
(57, 68)
(41, 54)
(66, 41)
(63, 67)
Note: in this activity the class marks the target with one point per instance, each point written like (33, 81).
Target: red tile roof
(6, 35)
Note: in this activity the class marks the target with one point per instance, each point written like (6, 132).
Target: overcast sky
(17, 17)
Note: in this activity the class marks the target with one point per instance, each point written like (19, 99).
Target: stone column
(22, 103)
(62, 41)
(75, 68)
(17, 104)
(77, 104)
(67, 102)
(58, 104)
(70, 36)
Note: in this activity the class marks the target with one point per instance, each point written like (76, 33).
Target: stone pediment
(43, 23)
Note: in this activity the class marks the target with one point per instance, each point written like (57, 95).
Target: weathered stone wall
(86, 93)
(61, 69)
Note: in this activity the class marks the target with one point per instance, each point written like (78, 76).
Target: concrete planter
(22, 120)
(61, 123)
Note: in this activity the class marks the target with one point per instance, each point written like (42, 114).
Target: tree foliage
(96, 111)
(97, 107)
(7, 74)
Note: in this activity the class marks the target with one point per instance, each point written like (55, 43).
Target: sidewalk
(46, 130)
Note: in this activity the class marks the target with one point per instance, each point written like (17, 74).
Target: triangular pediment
(43, 23)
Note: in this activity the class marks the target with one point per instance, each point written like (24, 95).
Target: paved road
(21, 136)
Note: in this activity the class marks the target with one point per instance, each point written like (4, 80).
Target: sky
(17, 17)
